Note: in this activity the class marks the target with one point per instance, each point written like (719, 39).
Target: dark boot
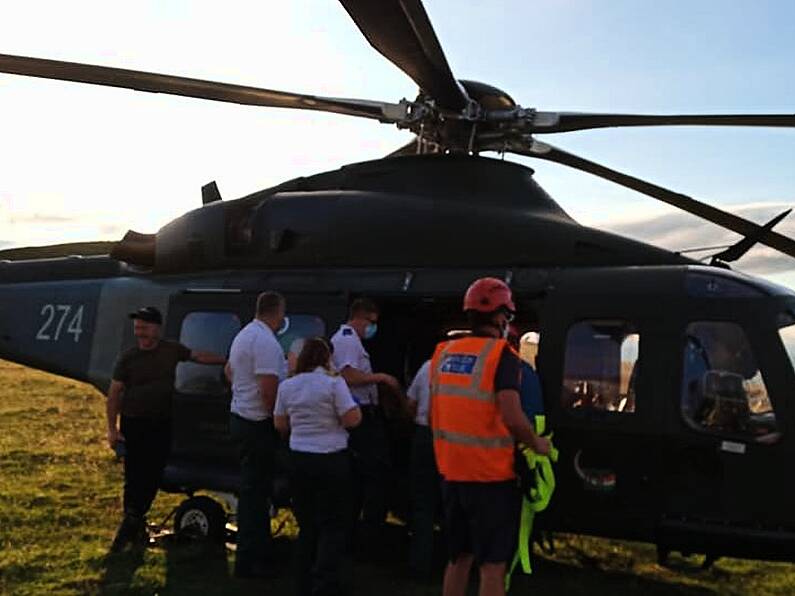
(132, 530)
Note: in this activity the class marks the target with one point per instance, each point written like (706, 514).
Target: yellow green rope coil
(541, 467)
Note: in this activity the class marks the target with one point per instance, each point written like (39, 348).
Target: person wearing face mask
(368, 441)
(476, 419)
(256, 366)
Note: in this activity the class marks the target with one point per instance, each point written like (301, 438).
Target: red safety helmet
(488, 294)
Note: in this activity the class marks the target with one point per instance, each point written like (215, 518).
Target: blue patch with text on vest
(461, 364)
(347, 332)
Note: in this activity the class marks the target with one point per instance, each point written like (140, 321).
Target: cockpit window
(723, 391)
(601, 366)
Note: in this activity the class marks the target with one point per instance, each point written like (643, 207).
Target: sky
(80, 162)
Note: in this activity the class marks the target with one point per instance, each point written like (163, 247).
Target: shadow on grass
(562, 578)
(204, 568)
(119, 569)
(200, 568)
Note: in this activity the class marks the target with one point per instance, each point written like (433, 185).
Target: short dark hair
(316, 352)
(362, 306)
(269, 303)
(479, 319)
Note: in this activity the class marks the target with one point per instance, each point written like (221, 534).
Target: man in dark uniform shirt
(141, 392)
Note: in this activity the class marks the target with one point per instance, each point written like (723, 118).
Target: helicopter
(665, 380)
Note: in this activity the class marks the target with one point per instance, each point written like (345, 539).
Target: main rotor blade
(712, 214)
(739, 249)
(172, 85)
(571, 121)
(402, 32)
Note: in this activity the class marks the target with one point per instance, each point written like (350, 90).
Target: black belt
(239, 417)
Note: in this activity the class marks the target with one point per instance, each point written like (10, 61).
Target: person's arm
(206, 358)
(518, 425)
(352, 418)
(228, 372)
(350, 414)
(282, 424)
(281, 417)
(112, 410)
(354, 378)
(268, 384)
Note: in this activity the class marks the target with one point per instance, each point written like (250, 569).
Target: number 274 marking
(55, 316)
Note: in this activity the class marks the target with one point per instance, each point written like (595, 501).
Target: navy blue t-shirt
(530, 393)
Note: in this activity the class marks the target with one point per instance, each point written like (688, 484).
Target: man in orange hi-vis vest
(476, 417)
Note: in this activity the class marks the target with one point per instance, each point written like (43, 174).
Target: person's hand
(114, 436)
(541, 446)
(389, 381)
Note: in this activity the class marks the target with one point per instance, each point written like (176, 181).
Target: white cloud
(681, 231)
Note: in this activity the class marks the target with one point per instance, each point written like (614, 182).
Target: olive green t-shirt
(148, 377)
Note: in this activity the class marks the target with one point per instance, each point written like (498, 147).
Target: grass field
(59, 505)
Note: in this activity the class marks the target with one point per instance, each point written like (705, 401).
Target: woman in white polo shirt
(316, 408)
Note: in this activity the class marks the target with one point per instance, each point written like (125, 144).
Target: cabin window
(723, 391)
(600, 369)
(205, 332)
(296, 329)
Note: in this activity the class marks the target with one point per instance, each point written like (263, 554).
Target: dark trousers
(426, 498)
(257, 445)
(322, 504)
(147, 442)
(370, 448)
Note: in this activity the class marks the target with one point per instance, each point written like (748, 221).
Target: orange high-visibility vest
(470, 440)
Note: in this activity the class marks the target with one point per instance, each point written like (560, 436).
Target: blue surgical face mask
(370, 330)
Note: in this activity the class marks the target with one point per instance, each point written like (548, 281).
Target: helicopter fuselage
(668, 384)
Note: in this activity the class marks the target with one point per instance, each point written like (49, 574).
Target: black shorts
(482, 519)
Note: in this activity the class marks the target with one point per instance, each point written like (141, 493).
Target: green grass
(59, 506)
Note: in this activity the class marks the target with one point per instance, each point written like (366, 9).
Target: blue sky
(80, 162)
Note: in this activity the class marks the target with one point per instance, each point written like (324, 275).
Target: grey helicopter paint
(671, 445)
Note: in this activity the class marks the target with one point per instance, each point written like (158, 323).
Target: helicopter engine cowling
(413, 211)
(195, 240)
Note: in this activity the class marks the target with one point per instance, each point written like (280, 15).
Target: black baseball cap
(149, 314)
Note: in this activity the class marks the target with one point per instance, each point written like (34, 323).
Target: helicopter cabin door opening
(408, 330)
(600, 402)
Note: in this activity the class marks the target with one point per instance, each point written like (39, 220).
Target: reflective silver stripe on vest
(468, 392)
(473, 391)
(472, 441)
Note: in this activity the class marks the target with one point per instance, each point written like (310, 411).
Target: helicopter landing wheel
(200, 518)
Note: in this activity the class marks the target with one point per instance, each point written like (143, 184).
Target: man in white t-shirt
(368, 441)
(256, 366)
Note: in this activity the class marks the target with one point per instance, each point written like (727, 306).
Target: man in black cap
(141, 392)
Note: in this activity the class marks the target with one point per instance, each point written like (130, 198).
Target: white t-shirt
(420, 392)
(349, 351)
(314, 402)
(255, 351)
